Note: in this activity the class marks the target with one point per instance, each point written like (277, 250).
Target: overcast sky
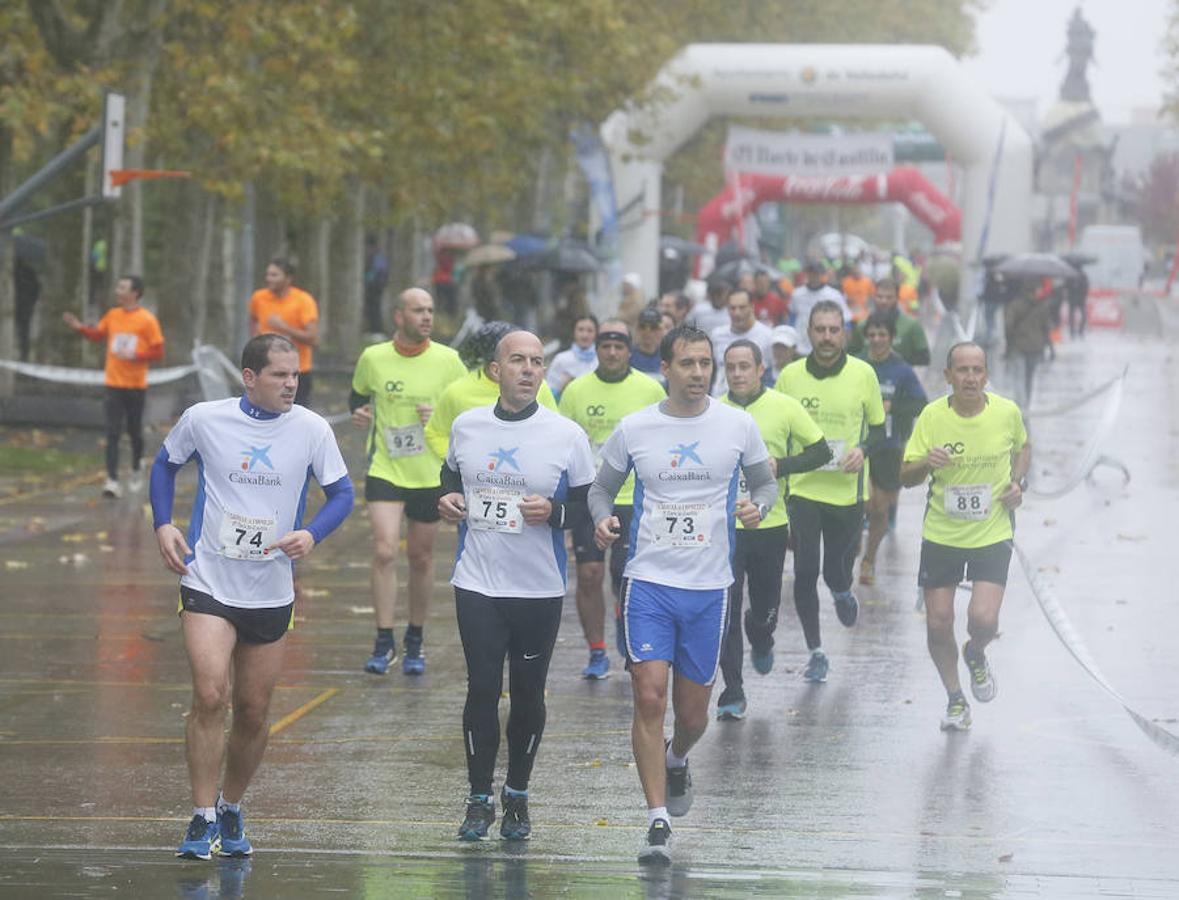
(1021, 51)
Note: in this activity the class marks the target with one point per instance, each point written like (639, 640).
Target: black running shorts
(421, 504)
(253, 626)
(943, 566)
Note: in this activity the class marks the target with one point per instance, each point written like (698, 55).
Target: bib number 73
(681, 525)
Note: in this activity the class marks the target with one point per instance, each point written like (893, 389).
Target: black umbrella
(568, 256)
(994, 259)
(1074, 258)
(732, 271)
(672, 246)
(1036, 265)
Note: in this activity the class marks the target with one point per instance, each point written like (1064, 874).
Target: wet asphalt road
(843, 789)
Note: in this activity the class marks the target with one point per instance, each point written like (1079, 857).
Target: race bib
(248, 537)
(680, 525)
(743, 489)
(837, 450)
(495, 509)
(123, 344)
(406, 440)
(968, 501)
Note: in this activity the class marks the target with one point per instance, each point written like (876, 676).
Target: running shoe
(657, 848)
(957, 717)
(679, 789)
(846, 607)
(412, 661)
(480, 818)
(111, 489)
(514, 824)
(730, 710)
(384, 655)
(135, 483)
(763, 660)
(867, 572)
(816, 668)
(233, 834)
(982, 679)
(201, 841)
(599, 666)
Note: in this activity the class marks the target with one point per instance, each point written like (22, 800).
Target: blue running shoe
(846, 607)
(412, 662)
(599, 666)
(731, 711)
(479, 819)
(514, 825)
(201, 841)
(384, 655)
(816, 668)
(763, 660)
(233, 834)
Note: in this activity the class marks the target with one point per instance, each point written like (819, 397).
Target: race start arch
(866, 81)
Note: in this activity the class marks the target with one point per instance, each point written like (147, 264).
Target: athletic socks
(673, 761)
(223, 805)
(413, 633)
(659, 812)
(385, 637)
(512, 792)
(208, 813)
(597, 645)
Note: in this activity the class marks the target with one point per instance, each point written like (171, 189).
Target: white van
(1120, 254)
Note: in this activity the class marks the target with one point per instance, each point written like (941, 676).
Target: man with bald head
(516, 474)
(394, 389)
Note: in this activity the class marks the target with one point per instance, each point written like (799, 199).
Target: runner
(133, 339)
(476, 388)
(578, 359)
(687, 453)
(597, 402)
(284, 309)
(807, 295)
(515, 475)
(742, 324)
(973, 447)
(759, 554)
(255, 456)
(826, 506)
(903, 398)
(394, 389)
(909, 339)
(644, 354)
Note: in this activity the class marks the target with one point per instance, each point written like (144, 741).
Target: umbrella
(994, 259)
(1074, 258)
(732, 271)
(567, 256)
(526, 244)
(1036, 265)
(455, 236)
(673, 247)
(488, 255)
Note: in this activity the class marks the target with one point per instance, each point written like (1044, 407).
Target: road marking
(361, 739)
(56, 489)
(293, 717)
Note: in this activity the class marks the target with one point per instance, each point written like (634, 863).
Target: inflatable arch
(744, 193)
(832, 81)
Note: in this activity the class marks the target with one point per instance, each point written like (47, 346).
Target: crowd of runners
(779, 429)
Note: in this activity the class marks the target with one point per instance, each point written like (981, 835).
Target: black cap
(650, 316)
(815, 266)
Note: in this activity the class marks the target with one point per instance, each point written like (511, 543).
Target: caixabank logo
(686, 464)
(254, 462)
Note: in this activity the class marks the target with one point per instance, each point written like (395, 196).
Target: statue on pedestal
(1079, 50)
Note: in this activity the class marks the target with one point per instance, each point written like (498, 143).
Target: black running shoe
(657, 849)
(679, 790)
(480, 818)
(514, 824)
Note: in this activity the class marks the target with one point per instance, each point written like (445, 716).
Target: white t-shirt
(707, 317)
(566, 366)
(761, 334)
(686, 476)
(500, 462)
(803, 300)
(252, 480)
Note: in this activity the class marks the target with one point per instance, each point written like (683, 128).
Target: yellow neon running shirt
(473, 390)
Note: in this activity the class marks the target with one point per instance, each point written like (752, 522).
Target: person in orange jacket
(133, 340)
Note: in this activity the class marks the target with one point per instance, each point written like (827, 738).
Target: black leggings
(524, 631)
(758, 556)
(832, 531)
(120, 403)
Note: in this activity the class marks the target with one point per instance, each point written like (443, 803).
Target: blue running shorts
(681, 626)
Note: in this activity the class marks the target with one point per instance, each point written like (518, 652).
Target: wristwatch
(1023, 484)
(763, 511)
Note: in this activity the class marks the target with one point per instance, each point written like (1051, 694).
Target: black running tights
(119, 405)
(832, 532)
(523, 631)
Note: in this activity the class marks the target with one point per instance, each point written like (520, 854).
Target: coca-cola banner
(750, 151)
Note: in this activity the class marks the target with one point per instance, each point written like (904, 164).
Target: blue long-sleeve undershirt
(331, 515)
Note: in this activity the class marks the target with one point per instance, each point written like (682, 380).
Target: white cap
(784, 335)
(633, 280)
